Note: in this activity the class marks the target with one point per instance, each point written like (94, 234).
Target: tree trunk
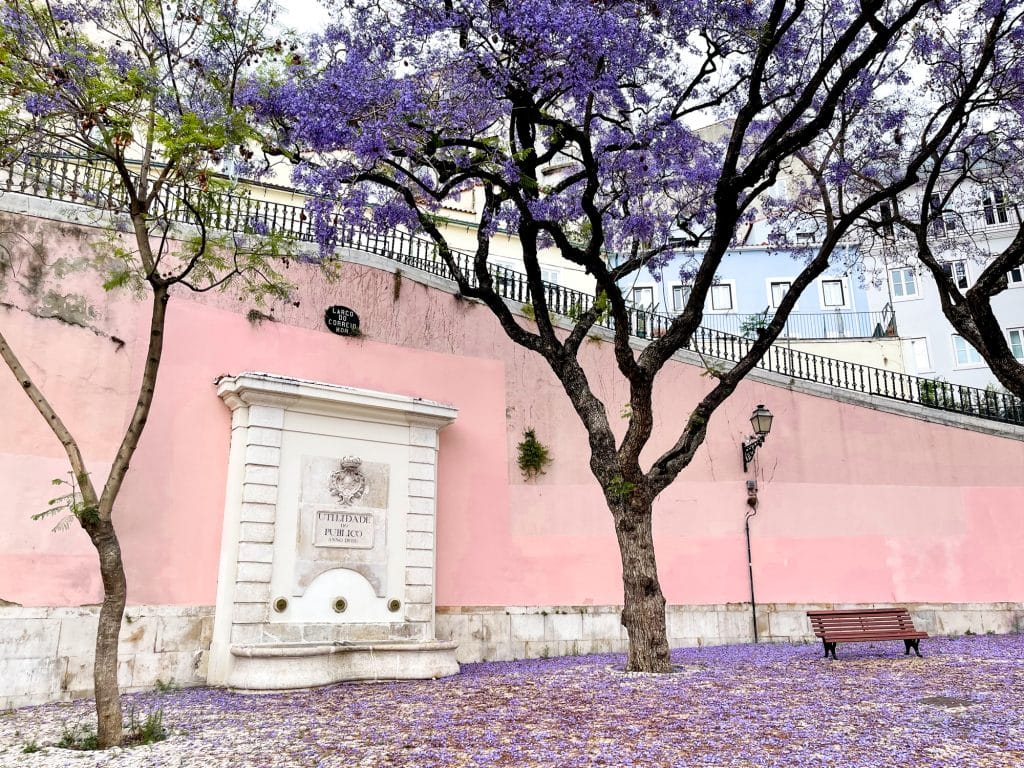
(643, 612)
(110, 721)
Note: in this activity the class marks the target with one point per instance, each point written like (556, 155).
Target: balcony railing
(77, 180)
(959, 223)
(839, 324)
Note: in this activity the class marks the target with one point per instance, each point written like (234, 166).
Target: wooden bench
(862, 625)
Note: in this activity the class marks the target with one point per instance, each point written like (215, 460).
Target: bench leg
(912, 644)
(829, 648)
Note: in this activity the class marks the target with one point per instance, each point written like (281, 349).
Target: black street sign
(342, 321)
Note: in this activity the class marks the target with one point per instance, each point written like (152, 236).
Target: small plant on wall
(534, 456)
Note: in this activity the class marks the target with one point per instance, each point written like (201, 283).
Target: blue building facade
(749, 286)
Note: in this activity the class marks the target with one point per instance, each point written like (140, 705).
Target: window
(957, 272)
(549, 275)
(904, 283)
(777, 289)
(942, 221)
(964, 353)
(995, 207)
(1015, 276)
(1017, 342)
(504, 276)
(680, 295)
(885, 214)
(721, 297)
(643, 298)
(832, 293)
(915, 351)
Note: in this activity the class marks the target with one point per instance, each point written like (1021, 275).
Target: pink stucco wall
(856, 505)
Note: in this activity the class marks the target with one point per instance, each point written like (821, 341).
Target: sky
(303, 15)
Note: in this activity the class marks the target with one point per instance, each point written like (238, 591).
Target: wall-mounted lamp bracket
(750, 448)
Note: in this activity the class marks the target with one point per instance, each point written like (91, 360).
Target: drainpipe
(752, 503)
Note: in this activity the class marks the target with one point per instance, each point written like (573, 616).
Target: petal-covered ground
(740, 705)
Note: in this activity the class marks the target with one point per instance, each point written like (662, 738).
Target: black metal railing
(954, 223)
(79, 180)
(840, 324)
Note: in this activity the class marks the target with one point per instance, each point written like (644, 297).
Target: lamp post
(752, 503)
(761, 422)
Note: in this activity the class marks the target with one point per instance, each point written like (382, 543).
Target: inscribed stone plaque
(344, 529)
(342, 520)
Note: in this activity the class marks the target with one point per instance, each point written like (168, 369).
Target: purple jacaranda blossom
(770, 706)
(602, 130)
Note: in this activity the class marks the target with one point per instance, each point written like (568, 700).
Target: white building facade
(965, 241)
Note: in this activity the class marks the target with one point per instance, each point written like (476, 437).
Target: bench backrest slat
(869, 620)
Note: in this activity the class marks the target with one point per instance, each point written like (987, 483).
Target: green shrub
(147, 731)
(165, 686)
(534, 456)
(78, 736)
(754, 325)
(935, 393)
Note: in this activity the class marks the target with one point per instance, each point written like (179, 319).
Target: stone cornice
(255, 388)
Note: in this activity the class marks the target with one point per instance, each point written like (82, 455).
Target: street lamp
(761, 422)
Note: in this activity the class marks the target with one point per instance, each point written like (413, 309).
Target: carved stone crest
(348, 483)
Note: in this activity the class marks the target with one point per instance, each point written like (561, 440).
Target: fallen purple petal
(739, 706)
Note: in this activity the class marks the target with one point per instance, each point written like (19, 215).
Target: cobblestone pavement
(740, 705)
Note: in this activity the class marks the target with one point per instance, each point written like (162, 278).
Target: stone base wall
(46, 654)
(501, 634)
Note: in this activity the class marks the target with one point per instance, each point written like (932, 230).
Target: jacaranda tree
(582, 123)
(143, 92)
(969, 187)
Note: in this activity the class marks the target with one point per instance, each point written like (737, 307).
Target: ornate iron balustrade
(77, 180)
(840, 324)
(954, 223)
